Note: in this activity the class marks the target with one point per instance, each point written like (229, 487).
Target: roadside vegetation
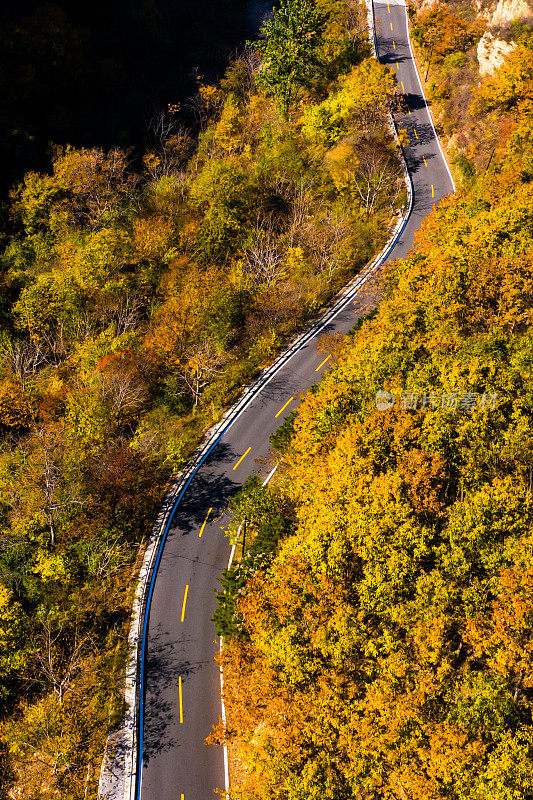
(135, 304)
(378, 627)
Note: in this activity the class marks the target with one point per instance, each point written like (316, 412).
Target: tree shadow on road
(209, 488)
(163, 669)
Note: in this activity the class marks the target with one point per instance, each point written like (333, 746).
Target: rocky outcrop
(508, 10)
(499, 13)
(492, 47)
(491, 53)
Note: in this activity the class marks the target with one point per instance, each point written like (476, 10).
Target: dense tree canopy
(291, 52)
(137, 299)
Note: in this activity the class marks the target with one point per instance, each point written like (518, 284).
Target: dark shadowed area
(94, 73)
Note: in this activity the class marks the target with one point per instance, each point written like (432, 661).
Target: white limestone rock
(508, 10)
(491, 53)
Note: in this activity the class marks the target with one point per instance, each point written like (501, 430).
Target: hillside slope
(136, 303)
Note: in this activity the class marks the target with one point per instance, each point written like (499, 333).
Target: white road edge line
(226, 762)
(270, 474)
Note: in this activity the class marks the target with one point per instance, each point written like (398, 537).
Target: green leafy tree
(291, 50)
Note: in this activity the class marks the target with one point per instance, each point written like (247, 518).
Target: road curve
(180, 680)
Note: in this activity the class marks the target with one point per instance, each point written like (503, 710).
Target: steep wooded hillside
(135, 305)
(378, 627)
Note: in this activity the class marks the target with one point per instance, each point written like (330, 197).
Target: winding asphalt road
(181, 680)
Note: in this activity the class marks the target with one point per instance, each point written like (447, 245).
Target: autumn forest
(377, 627)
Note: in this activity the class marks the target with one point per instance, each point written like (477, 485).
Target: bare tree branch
(263, 258)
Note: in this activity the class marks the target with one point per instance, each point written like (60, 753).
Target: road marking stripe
(322, 364)
(284, 407)
(391, 27)
(205, 521)
(416, 134)
(394, 44)
(223, 708)
(272, 471)
(425, 162)
(181, 701)
(184, 601)
(432, 190)
(388, 8)
(241, 459)
(397, 67)
(403, 89)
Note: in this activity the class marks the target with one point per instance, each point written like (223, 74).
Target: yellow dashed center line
(284, 407)
(394, 44)
(241, 458)
(322, 364)
(397, 67)
(388, 8)
(403, 90)
(207, 517)
(432, 191)
(425, 162)
(181, 701)
(416, 134)
(184, 602)
(391, 27)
